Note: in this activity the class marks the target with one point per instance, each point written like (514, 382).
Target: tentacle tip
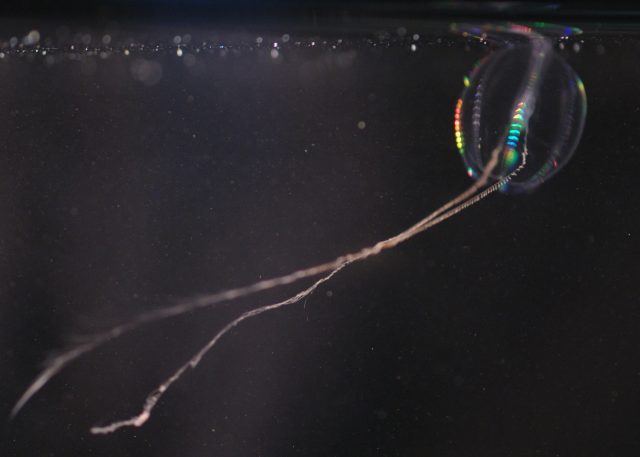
(17, 408)
(137, 421)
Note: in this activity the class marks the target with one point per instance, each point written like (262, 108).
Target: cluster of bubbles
(146, 67)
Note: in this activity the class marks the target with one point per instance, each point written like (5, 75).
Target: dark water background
(128, 183)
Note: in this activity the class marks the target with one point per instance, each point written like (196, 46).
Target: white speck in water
(179, 52)
(1, 55)
(362, 125)
(275, 45)
(126, 52)
(416, 37)
(576, 47)
(561, 46)
(414, 48)
(274, 54)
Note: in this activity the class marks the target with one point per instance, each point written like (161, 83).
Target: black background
(510, 329)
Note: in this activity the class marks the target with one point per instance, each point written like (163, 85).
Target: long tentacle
(457, 204)
(445, 212)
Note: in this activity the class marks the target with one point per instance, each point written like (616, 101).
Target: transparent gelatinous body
(522, 99)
